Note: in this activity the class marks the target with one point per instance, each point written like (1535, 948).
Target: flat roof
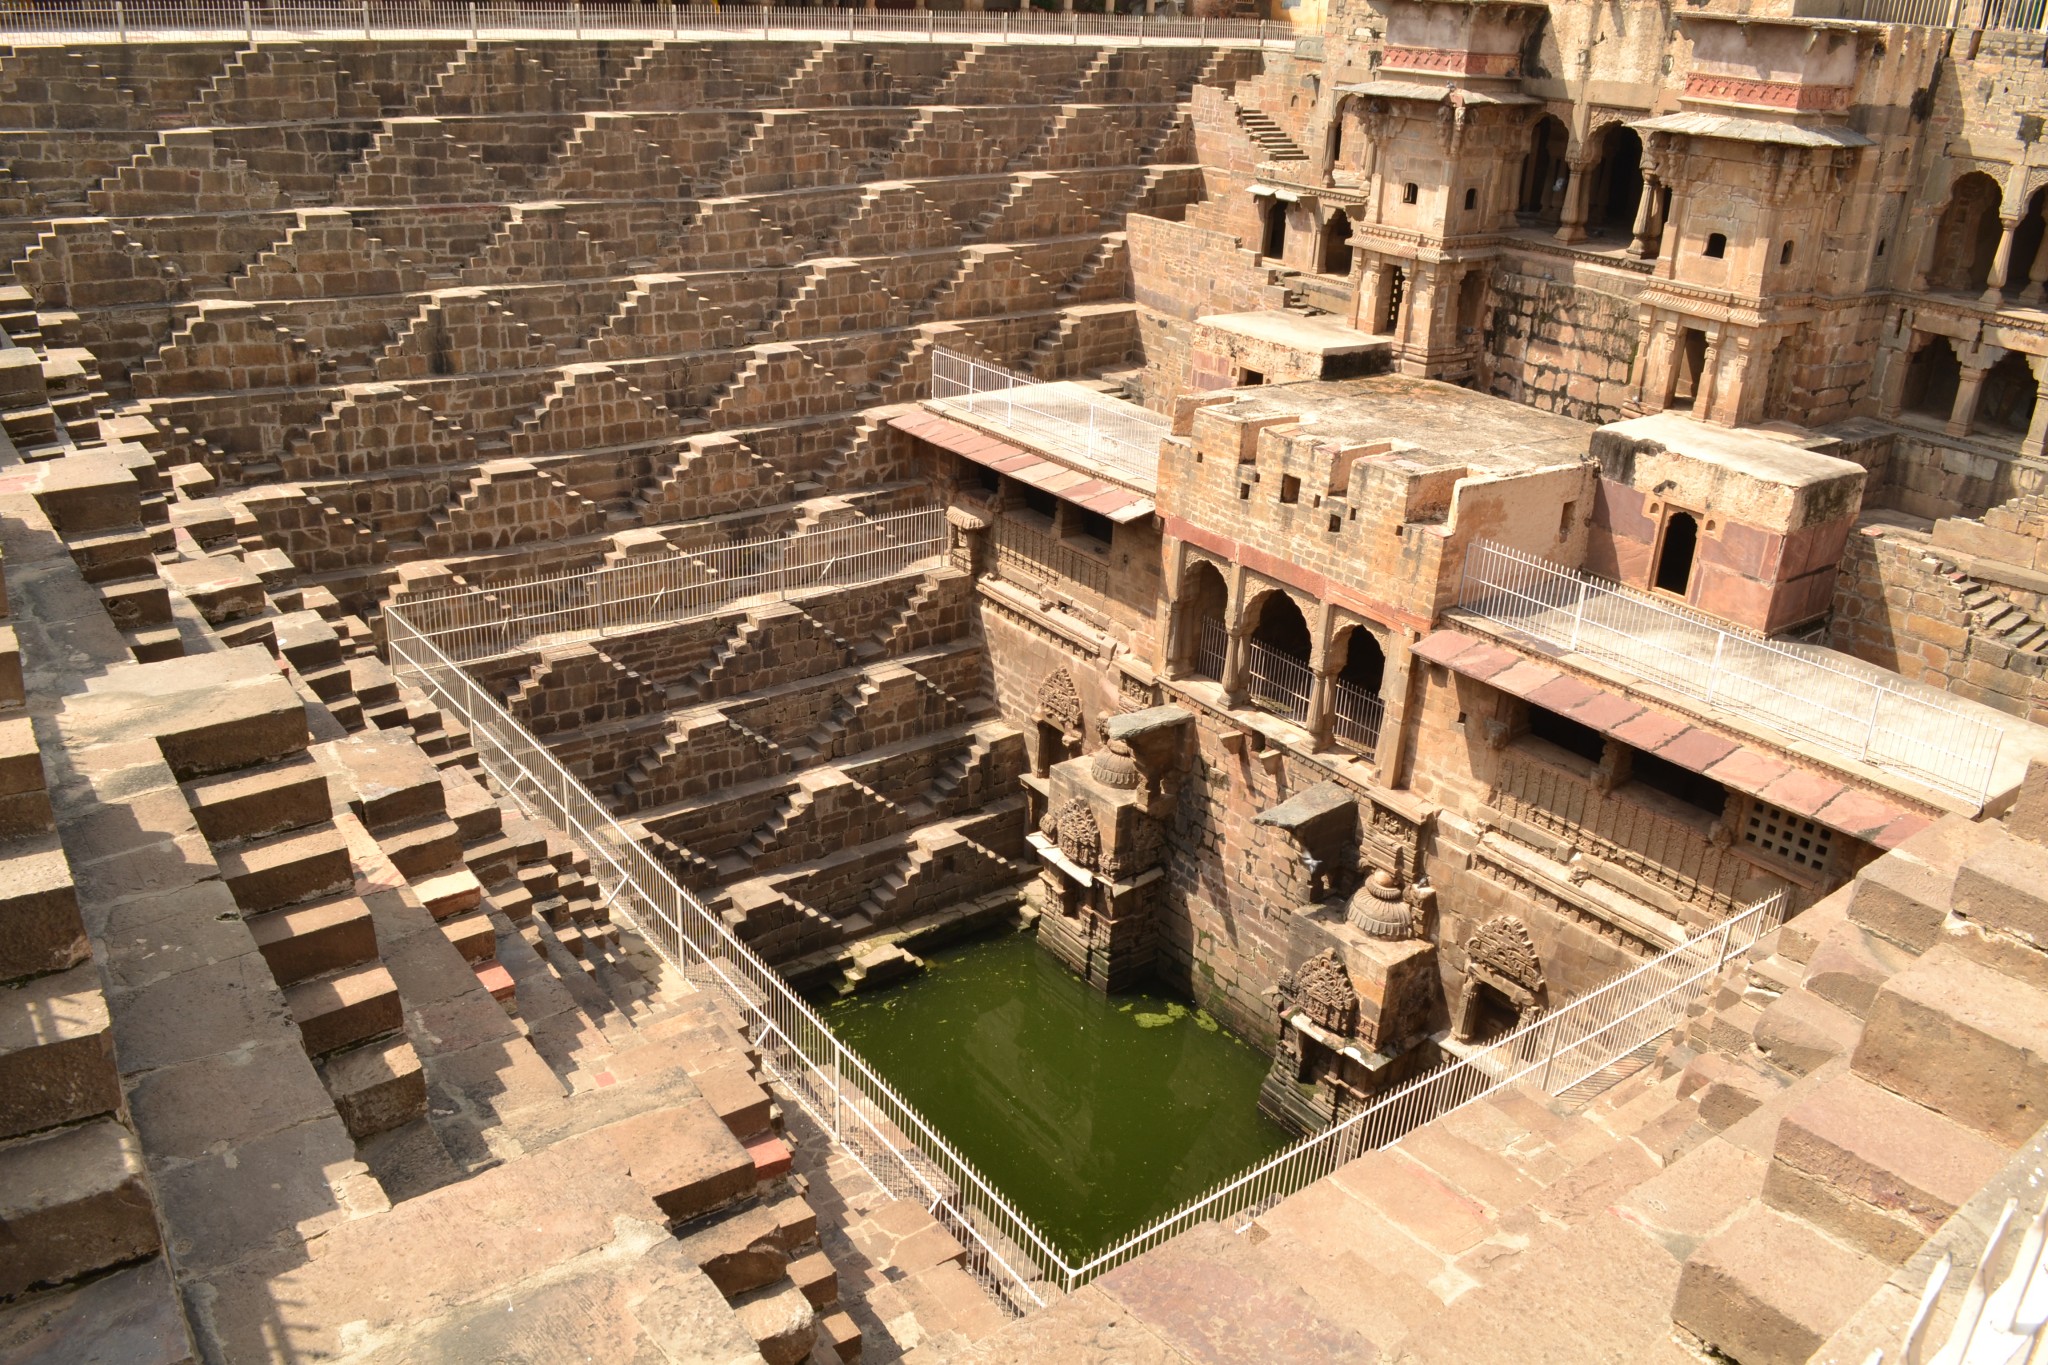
(1314, 336)
(1773, 457)
(1026, 466)
(1431, 422)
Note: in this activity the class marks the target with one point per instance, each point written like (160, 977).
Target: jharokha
(1377, 522)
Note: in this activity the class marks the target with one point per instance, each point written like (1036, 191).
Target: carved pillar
(1994, 285)
(1571, 225)
(2037, 426)
(1968, 389)
(1923, 265)
(1667, 241)
(1235, 658)
(1710, 369)
(1662, 355)
(2037, 271)
(1639, 243)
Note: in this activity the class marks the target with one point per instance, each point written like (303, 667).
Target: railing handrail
(1120, 436)
(482, 716)
(641, 886)
(1755, 921)
(1836, 701)
(471, 623)
(152, 21)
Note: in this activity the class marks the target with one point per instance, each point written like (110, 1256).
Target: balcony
(1065, 421)
(1838, 705)
(1286, 686)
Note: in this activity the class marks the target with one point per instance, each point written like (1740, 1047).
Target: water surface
(1092, 1115)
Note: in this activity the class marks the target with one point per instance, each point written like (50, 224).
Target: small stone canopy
(1321, 812)
(1078, 836)
(1156, 735)
(1500, 953)
(1321, 988)
(1059, 704)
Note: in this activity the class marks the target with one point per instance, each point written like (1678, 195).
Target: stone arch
(2006, 402)
(1203, 601)
(1933, 373)
(1966, 237)
(1544, 171)
(1617, 179)
(1336, 245)
(1359, 656)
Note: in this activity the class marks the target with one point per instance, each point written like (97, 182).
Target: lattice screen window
(1793, 839)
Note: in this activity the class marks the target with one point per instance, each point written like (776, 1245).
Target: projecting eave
(1733, 128)
(1434, 92)
(1084, 490)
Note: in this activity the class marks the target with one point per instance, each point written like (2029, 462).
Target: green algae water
(1092, 1115)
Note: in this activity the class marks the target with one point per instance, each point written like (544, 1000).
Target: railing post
(121, 18)
(1550, 1056)
(576, 17)
(1870, 731)
(1714, 669)
(472, 20)
(1727, 928)
(764, 18)
(249, 20)
(679, 18)
(1578, 611)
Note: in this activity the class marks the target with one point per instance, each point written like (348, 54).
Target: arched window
(1471, 200)
(1410, 192)
(1717, 245)
(1932, 377)
(1674, 560)
(1544, 174)
(1617, 184)
(1204, 598)
(1785, 254)
(1967, 239)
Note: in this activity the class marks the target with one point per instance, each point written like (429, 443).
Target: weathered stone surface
(1769, 1290)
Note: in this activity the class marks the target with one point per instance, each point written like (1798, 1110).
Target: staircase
(1271, 138)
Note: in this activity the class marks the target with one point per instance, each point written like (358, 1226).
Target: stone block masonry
(473, 226)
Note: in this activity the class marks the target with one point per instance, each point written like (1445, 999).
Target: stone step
(376, 1087)
(1769, 1290)
(256, 802)
(1800, 1031)
(372, 682)
(73, 1201)
(472, 935)
(450, 893)
(751, 1248)
(472, 809)
(686, 1160)
(286, 869)
(304, 941)
(817, 1277)
(1728, 1089)
(132, 1316)
(433, 844)
(392, 785)
(56, 1052)
(1963, 1039)
(308, 642)
(781, 1321)
(1850, 966)
(737, 1098)
(330, 684)
(1800, 935)
(39, 907)
(1874, 1170)
(348, 1007)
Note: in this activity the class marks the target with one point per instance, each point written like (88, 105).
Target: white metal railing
(1846, 706)
(1212, 649)
(469, 623)
(1924, 13)
(1555, 1053)
(881, 1129)
(150, 21)
(1355, 716)
(1278, 682)
(1121, 438)
(887, 1135)
(2013, 16)
(1022, 551)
